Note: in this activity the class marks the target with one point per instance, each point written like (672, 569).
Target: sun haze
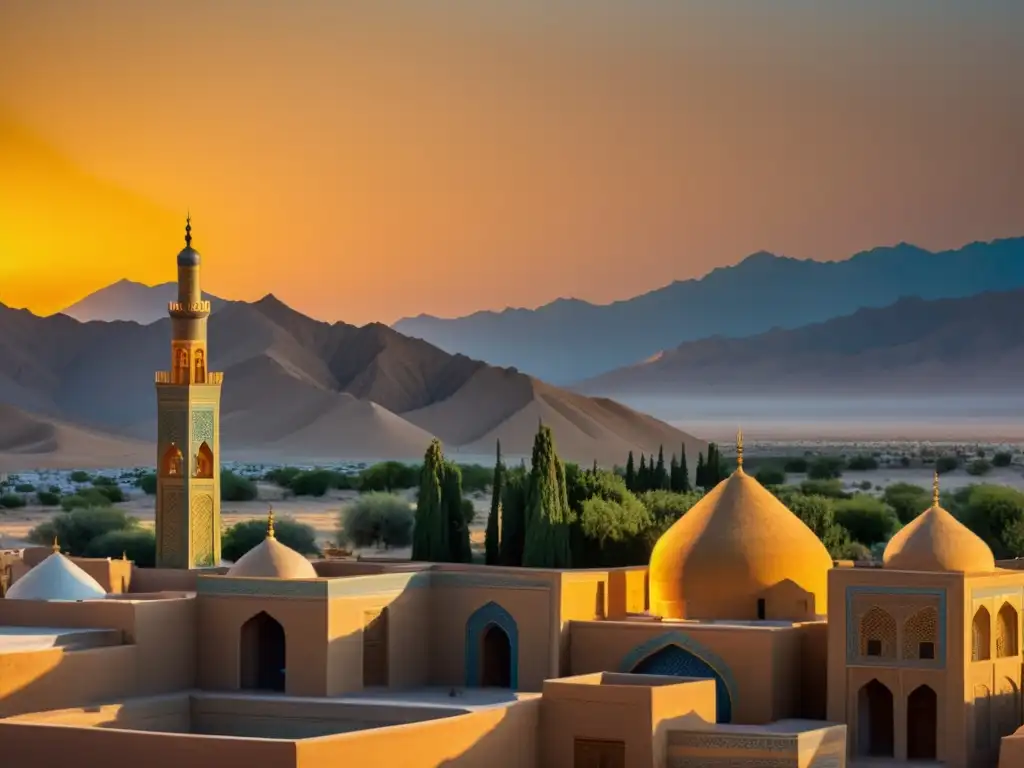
(369, 161)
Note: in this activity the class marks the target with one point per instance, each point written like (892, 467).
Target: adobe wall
(1011, 752)
(495, 736)
(91, 614)
(166, 638)
(31, 681)
(813, 670)
(219, 627)
(763, 692)
(149, 580)
(159, 713)
(28, 745)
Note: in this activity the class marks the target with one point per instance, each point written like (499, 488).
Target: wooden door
(594, 753)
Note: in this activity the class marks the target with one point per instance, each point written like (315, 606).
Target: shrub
(235, 487)
(468, 511)
(24, 488)
(665, 507)
(388, 476)
(243, 536)
(86, 497)
(904, 461)
(862, 463)
(771, 475)
(825, 468)
(993, 512)
(137, 544)
(48, 498)
(11, 501)
(979, 467)
(102, 481)
(907, 500)
(78, 476)
(868, 520)
(830, 488)
(315, 482)
(282, 476)
(796, 466)
(76, 530)
(1002, 459)
(147, 483)
(112, 492)
(476, 477)
(945, 464)
(818, 513)
(377, 519)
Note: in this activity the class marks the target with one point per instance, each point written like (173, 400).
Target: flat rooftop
(22, 639)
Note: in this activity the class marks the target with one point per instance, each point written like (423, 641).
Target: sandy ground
(320, 513)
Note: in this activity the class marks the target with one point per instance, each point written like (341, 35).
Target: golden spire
(188, 230)
(935, 489)
(124, 555)
(270, 523)
(739, 448)
(56, 545)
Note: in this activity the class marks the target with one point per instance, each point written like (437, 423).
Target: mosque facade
(741, 645)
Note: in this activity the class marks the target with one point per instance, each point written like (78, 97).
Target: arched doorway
(495, 658)
(263, 654)
(922, 724)
(875, 721)
(204, 461)
(676, 661)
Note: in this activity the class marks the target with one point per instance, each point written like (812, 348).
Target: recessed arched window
(920, 634)
(200, 367)
(878, 634)
(204, 461)
(1006, 631)
(170, 464)
(981, 635)
(181, 369)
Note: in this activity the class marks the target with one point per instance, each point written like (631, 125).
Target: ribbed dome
(937, 541)
(730, 550)
(56, 578)
(273, 560)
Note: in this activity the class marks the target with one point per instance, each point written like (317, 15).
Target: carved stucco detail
(202, 529)
(698, 740)
(172, 513)
(169, 424)
(202, 428)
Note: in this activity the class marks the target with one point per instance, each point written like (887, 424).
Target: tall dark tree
(630, 473)
(684, 473)
(700, 478)
(641, 476)
(594, 468)
(430, 535)
(548, 517)
(673, 474)
(492, 536)
(659, 478)
(513, 515)
(457, 514)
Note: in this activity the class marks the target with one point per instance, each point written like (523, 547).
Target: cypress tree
(513, 516)
(641, 475)
(548, 518)
(673, 474)
(457, 515)
(660, 476)
(630, 473)
(492, 536)
(684, 473)
(430, 535)
(700, 479)
(594, 469)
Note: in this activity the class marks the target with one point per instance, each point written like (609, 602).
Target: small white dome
(56, 578)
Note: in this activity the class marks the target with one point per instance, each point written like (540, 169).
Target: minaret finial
(124, 555)
(188, 229)
(270, 522)
(739, 448)
(56, 545)
(935, 489)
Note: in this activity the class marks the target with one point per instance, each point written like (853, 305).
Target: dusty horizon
(368, 163)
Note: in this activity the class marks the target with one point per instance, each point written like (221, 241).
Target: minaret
(188, 431)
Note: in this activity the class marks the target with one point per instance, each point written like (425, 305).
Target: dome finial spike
(270, 522)
(56, 545)
(935, 489)
(739, 448)
(188, 229)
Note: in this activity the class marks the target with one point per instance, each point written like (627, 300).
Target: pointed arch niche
(204, 461)
(492, 648)
(1006, 632)
(981, 635)
(171, 462)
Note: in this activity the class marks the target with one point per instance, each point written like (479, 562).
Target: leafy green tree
(665, 507)
(945, 464)
(77, 529)
(78, 476)
(280, 476)
(771, 475)
(1002, 459)
(993, 512)
(430, 534)
(795, 465)
(907, 500)
(513, 515)
(136, 544)
(868, 520)
(48, 498)
(979, 467)
(825, 468)
(548, 517)
(147, 483)
(235, 487)
(862, 463)
(388, 476)
(819, 514)
(243, 536)
(377, 519)
(630, 473)
(492, 536)
(832, 488)
(85, 498)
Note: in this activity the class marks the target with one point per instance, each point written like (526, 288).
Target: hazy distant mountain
(570, 340)
(294, 389)
(128, 300)
(972, 345)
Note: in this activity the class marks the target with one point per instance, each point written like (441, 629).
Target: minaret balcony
(213, 378)
(189, 307)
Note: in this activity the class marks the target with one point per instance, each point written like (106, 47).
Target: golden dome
(273, 560)
(737, 546)
(937, 541)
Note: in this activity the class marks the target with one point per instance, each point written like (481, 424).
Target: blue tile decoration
(482, 618)
(679, 655)
(853, 628)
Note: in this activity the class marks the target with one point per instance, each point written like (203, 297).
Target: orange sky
(366, 161)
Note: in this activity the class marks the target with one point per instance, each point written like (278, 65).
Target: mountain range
(128, 300)
(570, 340)
(295, 389)
(912, 347)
